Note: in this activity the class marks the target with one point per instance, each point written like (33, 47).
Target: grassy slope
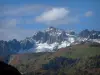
(29, 62)
(33, 61)
(78, 51)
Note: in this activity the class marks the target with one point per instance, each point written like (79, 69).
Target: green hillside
(29, 62)
(82, 55)
(80, 51)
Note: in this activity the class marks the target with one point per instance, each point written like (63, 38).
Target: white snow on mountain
(52, 39)
(42, 47)
(49, 40)
(71, 39)
(82, 39)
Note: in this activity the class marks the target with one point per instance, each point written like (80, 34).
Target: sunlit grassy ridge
(82, 53)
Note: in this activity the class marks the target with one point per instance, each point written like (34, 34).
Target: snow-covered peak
(51, 29)
(49, 40)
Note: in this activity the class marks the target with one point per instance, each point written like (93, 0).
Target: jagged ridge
(48, 40)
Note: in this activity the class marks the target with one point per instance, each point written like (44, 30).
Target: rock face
(90, 34)
(48, 40)
(50, 36)
(6, 69)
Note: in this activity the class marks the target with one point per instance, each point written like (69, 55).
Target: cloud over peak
(56, 16)
(52, 15)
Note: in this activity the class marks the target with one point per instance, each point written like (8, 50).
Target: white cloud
(88, 13)
(56, 16)
(53, 14)
(10, 16)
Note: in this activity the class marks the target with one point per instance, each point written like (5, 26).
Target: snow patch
(71, 39)
(43, 47)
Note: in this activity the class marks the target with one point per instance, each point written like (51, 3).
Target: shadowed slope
(6, 69)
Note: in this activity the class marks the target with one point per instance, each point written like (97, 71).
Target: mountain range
(48, 40)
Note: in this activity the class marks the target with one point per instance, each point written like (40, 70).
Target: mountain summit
(48, 40)
(51, 29)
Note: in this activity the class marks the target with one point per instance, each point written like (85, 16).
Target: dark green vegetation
(81, 59)
(64, 66)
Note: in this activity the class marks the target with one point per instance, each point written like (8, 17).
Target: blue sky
(20, 18)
